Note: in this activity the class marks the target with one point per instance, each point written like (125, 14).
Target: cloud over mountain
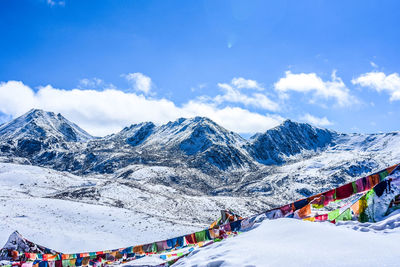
(139, 81)
(381, 83)
(311, 83)
(316, 120)
(106, 111)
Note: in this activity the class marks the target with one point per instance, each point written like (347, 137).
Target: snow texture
(289, 242)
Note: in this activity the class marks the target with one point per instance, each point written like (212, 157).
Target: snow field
(289, 242)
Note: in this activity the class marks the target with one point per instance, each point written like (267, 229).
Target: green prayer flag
(383, 175)
(333, 214)
(345, 216)
(353, 184)
(201, 236)
(369, 194)
(365, 201)
(154, 247)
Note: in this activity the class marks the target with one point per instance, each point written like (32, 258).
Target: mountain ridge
(39, 122)
(198, 140)
(289, 138)
(38, 130)
(197, 155)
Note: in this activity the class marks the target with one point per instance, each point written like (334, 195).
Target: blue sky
(245, 64)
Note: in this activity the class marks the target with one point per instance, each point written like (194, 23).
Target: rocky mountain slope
(197, 157)
(39, 131)
(288, 139)
(45, 138)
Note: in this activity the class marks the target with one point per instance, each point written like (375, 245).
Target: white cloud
(381, 82)
(316, 121)
(373, 64)
(55, 3)
(312, 83)
(234, 118)
(199, 87)
(4, 118)
(16, 98)
(93, 83)
(139, 81)
(108, 111)
(232, 93)
(244, 83)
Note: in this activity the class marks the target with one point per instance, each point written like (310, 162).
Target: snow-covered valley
(27, 205)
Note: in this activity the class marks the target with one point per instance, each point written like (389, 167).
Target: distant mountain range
(46, 138)
(199, 156)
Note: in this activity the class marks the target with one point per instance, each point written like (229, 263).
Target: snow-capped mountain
(288, 139)
(38, 131)
(197, 156)
(196, 142)
(48, 139)
(135, 134)
(41, 124)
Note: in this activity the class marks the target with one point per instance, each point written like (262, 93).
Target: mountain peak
(196, 125)
(202, 119)
(136, 125)
(37, 113)
(188, 121)
(40, 124)
(288, 139)
(135, 134)
(287, 121)
(298, 126)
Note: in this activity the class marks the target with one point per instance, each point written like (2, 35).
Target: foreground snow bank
(288, 242)
(388, 225)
